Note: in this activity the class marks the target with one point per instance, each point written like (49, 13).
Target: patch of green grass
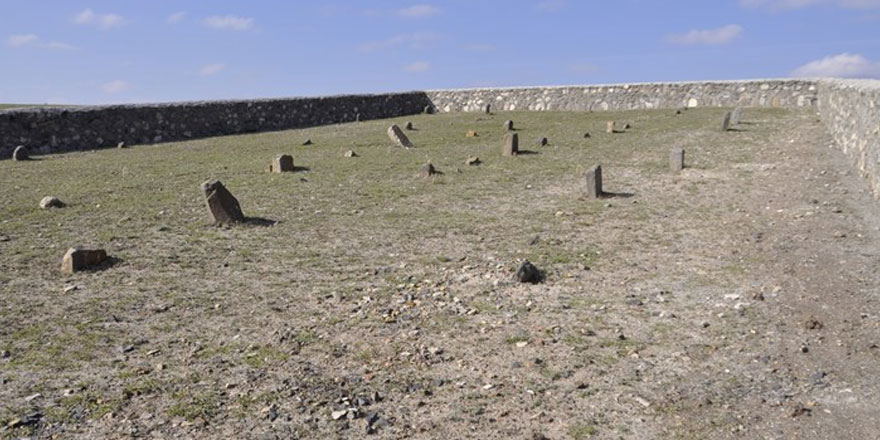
(580, 431)
(202, 405)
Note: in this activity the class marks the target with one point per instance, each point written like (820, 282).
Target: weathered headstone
(488, 109)
(427, 170)
(51, 202)
(399, 138)
(609, 127)
(281, 163)
(511, 144)
(528, 273)
(357, 117)
(472, 160)
(725, 122)
(20, 153)
(676, 159)
(408, 126)
(79, 258)
(543, 142)
(508, 125)
(471, 133)
(222, 205)
(593, 177)
(735, 116)
(120, 145)
(350, 153)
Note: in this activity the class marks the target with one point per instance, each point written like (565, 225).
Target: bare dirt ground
(736, 299)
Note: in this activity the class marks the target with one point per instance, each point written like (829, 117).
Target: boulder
(79, 258)
(51, 202)
(222, 205)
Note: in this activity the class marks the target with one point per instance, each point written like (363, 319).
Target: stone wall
(850, 110)
(50, 130)
(752, 93)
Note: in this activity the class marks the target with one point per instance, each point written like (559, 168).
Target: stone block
(676, 159)
(397, 135)
(79, 258)
(593, 178)
(222, 205)
(282, 163)
(511, 144)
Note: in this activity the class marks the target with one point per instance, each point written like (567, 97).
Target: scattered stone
(408, 126)
(282, 163)
(676, 159)
(543, 141)
(725, 122)
(20, 153)
(307, 142)
(222, 205)
(350, 153)
(587, 135)
(51, 202)
(511, 144)
(78, 259)
(609, 127)
(471, 134)
(399, 138)
(120, 145)
(593, 178)
(428, 170)
(508, 125)
(472, 160)
(735, 116)
(813, 324)
(528, 273)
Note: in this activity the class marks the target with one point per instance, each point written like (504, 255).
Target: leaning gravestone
(282, 164)
(735, 116)
(676, 159)
(593, 177)
(20, 153)
(725, 122)
(511, 144)
(222, 205)
(399, 138)
(79, 258)
(609, 127)
(508, 125)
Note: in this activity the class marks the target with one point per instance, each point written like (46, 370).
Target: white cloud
(550, 5)
(418, 66)
(413, 41)
(781, 5)
(722, 35)
(115, 86)
(103, 21)
(21, 40)
(176, 17)
(211, 69)
(229, 22)
(32, 40)
(419, 11)
(844, 65)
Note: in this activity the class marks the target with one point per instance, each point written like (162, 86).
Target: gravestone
(609, 127)
(428, 170)
(51, 202)
(471, 133)
(511, 144)
(350, 153)
(282, 164)
(735, 116)
(79, 258)
(725, 122)
(222, 205)
(676, 159)
(593, 177)
(120, 145)
(429, 109)
(399, 138)
(543, 142)
(408, 126)
(488, 109)
(508, 125)
(20, 153)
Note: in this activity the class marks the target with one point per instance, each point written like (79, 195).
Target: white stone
(693, 103)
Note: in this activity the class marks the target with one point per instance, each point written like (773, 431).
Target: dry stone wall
(49, 130)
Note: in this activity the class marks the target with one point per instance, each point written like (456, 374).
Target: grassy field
(374, 280)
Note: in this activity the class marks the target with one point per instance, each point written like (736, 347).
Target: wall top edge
(810, 81)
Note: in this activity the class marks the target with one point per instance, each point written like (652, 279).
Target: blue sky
(92, 52)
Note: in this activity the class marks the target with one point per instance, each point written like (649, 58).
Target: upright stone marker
(543, 142)
(735, 116)
(222, 205)
(609, 127)
(399, 138)
(511, 144)
(282, 164)
(488, 109)
(20, 153)
(725, 122)
(408, 126)
(508, 125)
(51, 202)
(676, 159)
(593, 177)
(78, 259)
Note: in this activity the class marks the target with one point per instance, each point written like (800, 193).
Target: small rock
(51, 202)
(336, 415)
(472, 160)
(587, 135)
(528, 273)
(5, 354)
(813, 324)
(70, 288)
(428, 170)
(543, 142)
(350, 153)
(78, 259)
(32, 397)
(471, 133)
(408, 126)
(120, 145)
(307, 142)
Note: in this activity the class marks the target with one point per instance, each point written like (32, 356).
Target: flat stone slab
(78, 259)
(399, 137)
(222, 205)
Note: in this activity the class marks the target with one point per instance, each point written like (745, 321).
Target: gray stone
(488, 109)
(222, 205)
(508, 125)
(120, 145)
(350, 153)
(399, 138)
(20, 153)
(587, 135)
(528, 273)
(282, 163)
(409, 125)
(543, 142)
(676, 159)
(80, 258)
(427, 170)
(511, 144)
(307, 142)
(609, 127)
(593, 178)
(471, 133)
(735, 116)
(472, 160)
(51, 202)
(725, 122)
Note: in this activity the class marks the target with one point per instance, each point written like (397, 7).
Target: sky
(115, 51)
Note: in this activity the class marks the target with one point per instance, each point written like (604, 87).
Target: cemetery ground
(734, 299)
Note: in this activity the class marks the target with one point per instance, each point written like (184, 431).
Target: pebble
(336, 415)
